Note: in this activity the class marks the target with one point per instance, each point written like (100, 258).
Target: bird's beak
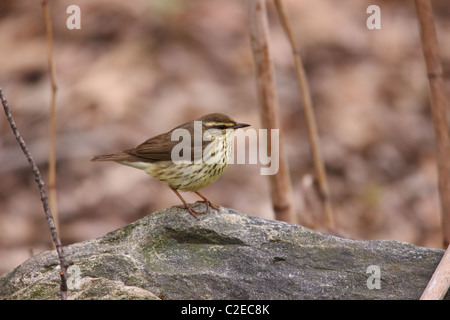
(240, 125)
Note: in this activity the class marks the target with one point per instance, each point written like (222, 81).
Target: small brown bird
(206, 154)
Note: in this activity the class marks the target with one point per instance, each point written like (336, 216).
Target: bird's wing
(157, 148)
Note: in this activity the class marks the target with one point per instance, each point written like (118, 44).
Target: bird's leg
(188, 207)
(207, 202)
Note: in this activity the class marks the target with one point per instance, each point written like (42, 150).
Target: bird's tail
(120, 156)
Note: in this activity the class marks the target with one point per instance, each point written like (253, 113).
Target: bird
(188, 165)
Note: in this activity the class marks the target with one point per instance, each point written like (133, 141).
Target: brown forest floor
(138, 68)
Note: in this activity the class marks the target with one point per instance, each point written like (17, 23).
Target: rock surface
(226, 255)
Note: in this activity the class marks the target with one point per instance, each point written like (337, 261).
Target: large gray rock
(226, 255)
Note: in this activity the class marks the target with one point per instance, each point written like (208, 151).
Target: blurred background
(139, 68)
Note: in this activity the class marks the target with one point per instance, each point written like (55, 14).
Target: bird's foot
(209, 204)
(192, 211)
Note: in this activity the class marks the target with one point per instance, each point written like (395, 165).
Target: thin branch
(438, 108)
(440, 281)
(309, 116)
(280, 183)
(44, 199)
(52, 152)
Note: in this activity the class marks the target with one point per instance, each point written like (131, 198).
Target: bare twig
(440, 281)
(52, 156)
(280, 183)
(310, 118)
(44, 199)
(438, 108)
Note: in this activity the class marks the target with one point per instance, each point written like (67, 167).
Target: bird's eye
(222, 127)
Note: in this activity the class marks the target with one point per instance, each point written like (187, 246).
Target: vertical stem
(52, 155)
(265, 82)
(310, 118)
(44, 199)
(438, 108)
(440, 281)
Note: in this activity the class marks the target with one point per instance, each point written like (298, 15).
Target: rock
(226, 255)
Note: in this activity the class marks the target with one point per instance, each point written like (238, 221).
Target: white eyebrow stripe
(215, 124)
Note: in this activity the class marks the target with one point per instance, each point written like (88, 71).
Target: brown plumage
(154, 157)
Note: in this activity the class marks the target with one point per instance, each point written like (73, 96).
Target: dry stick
(52, 157)
(440, 281)
(438, 109)
(44, 199)
(310, 118)
(280, 184)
